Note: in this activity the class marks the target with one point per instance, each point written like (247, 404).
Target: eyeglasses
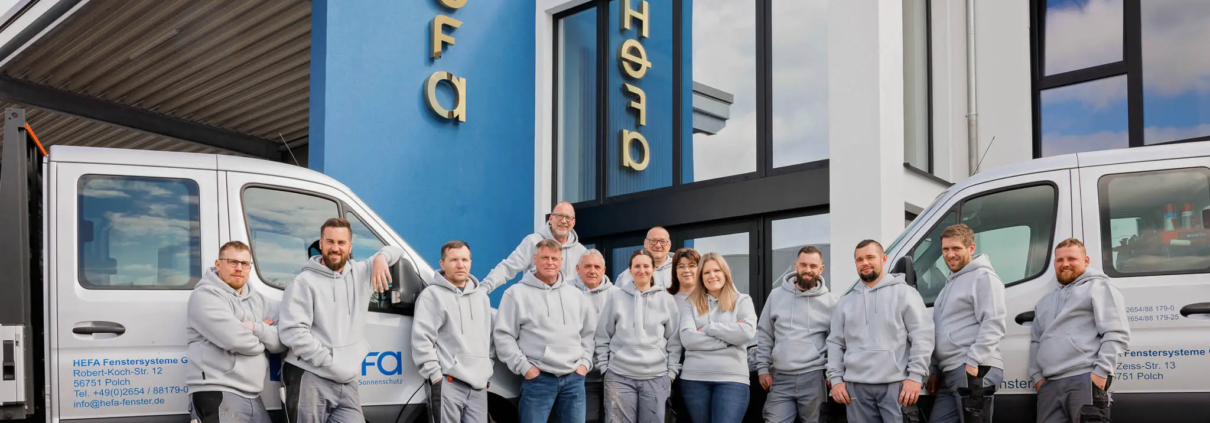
(562, 217)
(234, 262)
(684, 267)
(660, 242)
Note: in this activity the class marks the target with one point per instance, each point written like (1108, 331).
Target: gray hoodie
(547, 326)
(792, 337)
(969, 318)
(637, 334)
(223, 354)
(323, 316)
(719, 352)
(1078, 328)
(880, 335)
(521, 260)
(452, 332)
(597, 296)
(661, 276)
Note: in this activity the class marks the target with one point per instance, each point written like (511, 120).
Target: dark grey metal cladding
(21, 224)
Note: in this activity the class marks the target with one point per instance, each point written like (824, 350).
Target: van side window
(1014, 228)
(282, 227)
(1152, 223)
(139, 233)
(365, 245)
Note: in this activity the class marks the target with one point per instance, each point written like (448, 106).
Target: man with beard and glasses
(1079, 331)
(323, 314)
(658, 242)
(791, 342)
(877, 369)
(969, 319)
(559, 228)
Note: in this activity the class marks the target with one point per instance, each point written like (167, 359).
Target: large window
(917, 110)
(139, 233)
(1153, 222)
(724, 93)
(800, 81)
(283, 226)
(1014, 228)
(577, 107)
(1120, 73)
(735, 249)
(790, 235)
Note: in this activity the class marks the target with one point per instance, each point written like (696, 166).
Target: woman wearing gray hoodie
(717, 325)
(638, 349)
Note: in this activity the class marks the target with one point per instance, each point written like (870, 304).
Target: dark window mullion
(678, 75)
(764, 82)
(1037, 10)
(1133, 52)
(1085, 75)
(602, 100)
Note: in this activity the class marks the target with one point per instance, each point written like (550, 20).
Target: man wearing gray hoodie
(545, 334)
(969, 319)
(451, 339)
(230, 327)
(875, 368)
(596, 286)
(323, 314)
(1079, 331)
(559, 228)
(657, 242)
(791, 342)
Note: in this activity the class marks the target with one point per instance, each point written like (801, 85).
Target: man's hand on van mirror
(582, 371)
(1098, 381)
(532, 373)
(249, 325)
(1038, 387)
(910, 392)
(382, 274)
(932, 383)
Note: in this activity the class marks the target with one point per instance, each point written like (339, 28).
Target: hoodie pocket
(791, 356)
(472, 369)
(346, 361)
(1059, 354)
(639, 360)
(211, 359)
(561, 359)
(872, 366)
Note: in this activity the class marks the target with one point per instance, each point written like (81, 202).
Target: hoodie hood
(573, 239)
(602, 287)
(211, 279)
(978, 262)
(1090, 274)
(531, 279)
(438, 279)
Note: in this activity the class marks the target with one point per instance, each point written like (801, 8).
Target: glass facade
(577, 108)
(916, 97)
(1176, 102)
(800, 81)
(1089, 116)
(790, 235)
(735, 250)
(723, 142)
(656, 84)
(1082, 34)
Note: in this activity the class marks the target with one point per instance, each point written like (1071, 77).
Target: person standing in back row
(596, 286)
(558, 227)
(879, 347)
(969, 318)
(229, 322)
(452, 338)
(791, 342)
(1079, 331)
(658, 242)
(323, 318)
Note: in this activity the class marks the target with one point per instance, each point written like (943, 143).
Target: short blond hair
(1072, 242)
(963, 233)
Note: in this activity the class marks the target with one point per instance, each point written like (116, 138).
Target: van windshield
(912, 226)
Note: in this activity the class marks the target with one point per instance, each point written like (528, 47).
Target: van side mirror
(406, 286)
(904, 265)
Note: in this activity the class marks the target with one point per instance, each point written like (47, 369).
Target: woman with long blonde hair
(717, 325)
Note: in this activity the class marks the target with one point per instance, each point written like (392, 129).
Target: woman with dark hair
(638, 349)
(717, 325)
(684, 273)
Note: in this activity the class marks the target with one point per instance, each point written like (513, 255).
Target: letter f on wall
(439, 37)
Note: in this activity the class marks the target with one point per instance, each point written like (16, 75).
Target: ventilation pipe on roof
(972, 94)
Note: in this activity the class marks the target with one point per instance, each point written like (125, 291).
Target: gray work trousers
(1062, 400)
(874, 403)
(313, 399)
(226, 407)
(453, 401)
(948, 407)
(795, 398)
(635, 401)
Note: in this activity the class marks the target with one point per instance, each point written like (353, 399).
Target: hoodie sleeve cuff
(1100, 372)
(1037, 377)
(258, 329)
(762, 370)
(918, 378)
(837, 381)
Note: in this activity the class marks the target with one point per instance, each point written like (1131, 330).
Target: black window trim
(83, 282)
(962, 200)
(1103, 217)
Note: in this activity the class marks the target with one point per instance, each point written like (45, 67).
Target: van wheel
(500, 410)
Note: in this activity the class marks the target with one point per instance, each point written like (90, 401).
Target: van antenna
(283, 142)
(980, 163)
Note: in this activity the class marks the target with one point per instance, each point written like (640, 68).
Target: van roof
(128, 157)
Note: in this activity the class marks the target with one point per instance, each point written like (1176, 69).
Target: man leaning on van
(230, 327)
(323, 316)
(1079, 330)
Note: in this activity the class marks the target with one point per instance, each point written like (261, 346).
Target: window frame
(243, 204)
(83, 281)
(928, 91)
(1104, 222)
(960, 202)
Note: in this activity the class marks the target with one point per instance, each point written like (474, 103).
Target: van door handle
(93, 328)
(1025, 317)
(1199, 308)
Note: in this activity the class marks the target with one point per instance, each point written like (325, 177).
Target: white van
(127, 234)
(1144, 215)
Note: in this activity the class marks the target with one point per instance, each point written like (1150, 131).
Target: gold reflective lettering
(439, 37)
(628, 14)
(627, 159)
(459, 86)
(633, 54)
(452, 4)
(640, 104)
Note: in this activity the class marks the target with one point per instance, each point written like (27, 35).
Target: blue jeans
(715, 402)
(563, 394)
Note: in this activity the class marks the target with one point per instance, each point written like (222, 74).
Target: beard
(1066, 278)
(872, 276)
(559, 232)
(962, 262)
(807, 281)
(335, 265)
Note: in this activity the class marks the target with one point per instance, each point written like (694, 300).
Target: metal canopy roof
(228, 75)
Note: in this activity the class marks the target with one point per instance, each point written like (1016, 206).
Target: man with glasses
(658, 243)
(230, 327)
(559, 228)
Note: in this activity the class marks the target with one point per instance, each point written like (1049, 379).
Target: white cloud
(1176, 56)
(1155, 135)
(1054, 144)
(1081, 36)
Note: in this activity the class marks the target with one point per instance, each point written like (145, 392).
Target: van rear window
(1155, 222)
(138, 233)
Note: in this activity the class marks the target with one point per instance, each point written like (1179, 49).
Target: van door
(1145, 227)
(280, 219)
(1016, 222)
(130, 243)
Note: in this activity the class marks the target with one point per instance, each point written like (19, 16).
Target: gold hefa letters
(438, 42)
(632, 58)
